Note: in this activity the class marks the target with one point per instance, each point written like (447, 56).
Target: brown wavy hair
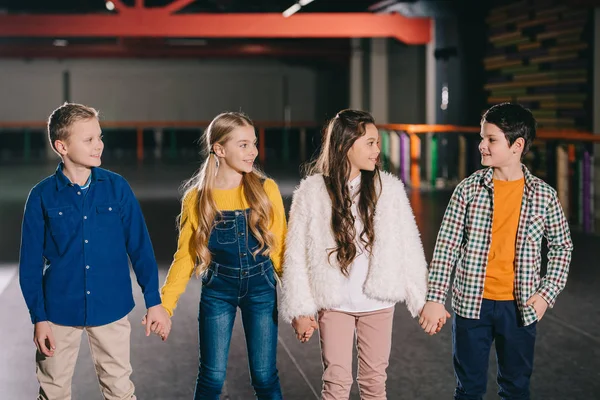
(203, 182)
(339, 135)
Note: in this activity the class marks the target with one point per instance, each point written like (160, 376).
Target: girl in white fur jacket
(352, 252)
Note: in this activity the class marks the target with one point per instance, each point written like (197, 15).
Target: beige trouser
(373, 342)
(109, 346)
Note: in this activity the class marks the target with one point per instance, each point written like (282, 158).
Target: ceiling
(211, 6)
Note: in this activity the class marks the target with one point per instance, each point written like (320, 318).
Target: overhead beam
(165, 51)
(160, 22)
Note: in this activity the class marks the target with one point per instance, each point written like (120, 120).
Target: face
(84, 145)
(495, 149)
(239, 152)
(365, 151)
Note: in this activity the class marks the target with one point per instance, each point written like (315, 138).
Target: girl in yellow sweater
(232, 228)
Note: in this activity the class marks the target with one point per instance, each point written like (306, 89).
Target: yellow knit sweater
(184, 260)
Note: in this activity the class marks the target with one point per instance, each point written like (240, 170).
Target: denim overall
(236, 278)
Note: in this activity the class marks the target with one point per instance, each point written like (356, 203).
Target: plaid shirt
(466, 233)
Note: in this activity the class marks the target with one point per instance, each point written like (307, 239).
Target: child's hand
(539, 305)
(304, 327)
(433, 317)
(307, 335)
(158, 321)
(44, 338)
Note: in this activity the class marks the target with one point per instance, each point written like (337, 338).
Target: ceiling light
(110, 5)
(292, 10)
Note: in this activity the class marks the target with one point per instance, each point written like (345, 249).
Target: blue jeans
(247, 282)
(472, 339)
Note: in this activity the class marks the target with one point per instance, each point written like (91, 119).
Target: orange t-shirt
(500, 271)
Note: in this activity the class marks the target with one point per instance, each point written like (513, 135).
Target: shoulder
(190, 198)
(310, 190)
(310, 184)
(470, 184)
(113, 177)
(474, 179)
(390, 183)
(270, 186)
(544, 190)
(542, 186)
(115, 180)
(43, 185)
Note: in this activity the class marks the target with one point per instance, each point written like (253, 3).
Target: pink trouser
(373, 342)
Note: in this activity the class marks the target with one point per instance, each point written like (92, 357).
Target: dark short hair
(63, 117)
(514, 120)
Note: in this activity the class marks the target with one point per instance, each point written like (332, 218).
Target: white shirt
(355, 298)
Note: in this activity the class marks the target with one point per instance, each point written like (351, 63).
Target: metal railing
(423, 156)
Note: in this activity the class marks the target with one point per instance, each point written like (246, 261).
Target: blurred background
(159, 70)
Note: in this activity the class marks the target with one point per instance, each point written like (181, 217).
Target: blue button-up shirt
(74, 266)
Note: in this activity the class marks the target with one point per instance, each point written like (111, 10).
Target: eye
(101, 137)
(244, 145)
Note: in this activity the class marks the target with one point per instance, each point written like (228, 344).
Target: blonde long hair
(203, 182)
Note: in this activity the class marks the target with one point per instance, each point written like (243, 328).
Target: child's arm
(447, 247)
(445, 255)
(416, 274)
(182, 267)
(31, 271)
(556, 230)
(278, 226)
(297, 299)
(31, 263)
(139, 247)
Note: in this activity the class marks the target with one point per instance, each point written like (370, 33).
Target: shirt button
(109, 208)
(88, 292)
(241, 234)
(87, 267)
(79, 193)
(85, 240)
(60, 213)
(237, 213)
(85, 217)
(243, 254)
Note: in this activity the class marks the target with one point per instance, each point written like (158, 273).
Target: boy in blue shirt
(81, 227)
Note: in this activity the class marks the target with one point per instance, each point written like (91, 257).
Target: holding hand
(157, 320)
(304, 327)
(44, 338)
(539, 305)
(433, 317)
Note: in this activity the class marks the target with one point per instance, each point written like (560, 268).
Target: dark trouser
(472, 339)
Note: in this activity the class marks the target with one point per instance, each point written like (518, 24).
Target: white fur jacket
(397, 266)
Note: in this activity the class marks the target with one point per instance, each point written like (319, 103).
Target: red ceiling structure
(139, 31)
(139, 21)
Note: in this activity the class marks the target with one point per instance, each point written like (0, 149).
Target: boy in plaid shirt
(492, 233)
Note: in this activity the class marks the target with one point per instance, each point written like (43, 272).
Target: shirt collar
(98, 174)
(530, 181)
(354, 185)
